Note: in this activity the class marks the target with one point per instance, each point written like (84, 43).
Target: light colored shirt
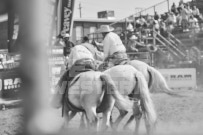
(112, 43)
(195, 11)
(185, 14)
(77, 53)
(96, 54)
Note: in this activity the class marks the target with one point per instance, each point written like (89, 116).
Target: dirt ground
(175, 115)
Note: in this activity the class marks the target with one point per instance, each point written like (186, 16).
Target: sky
(122, 8)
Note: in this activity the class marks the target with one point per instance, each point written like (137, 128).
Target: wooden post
(168, 5)
(125, 31)
(154, 9)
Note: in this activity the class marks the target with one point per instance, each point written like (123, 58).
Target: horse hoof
(82, 126)
(114, 127)
(126, 128)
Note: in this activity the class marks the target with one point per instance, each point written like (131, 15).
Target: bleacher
(176, 46)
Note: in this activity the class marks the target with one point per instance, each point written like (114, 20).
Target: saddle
(118, 57)
(82, 65)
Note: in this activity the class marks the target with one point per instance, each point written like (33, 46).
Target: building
(83, 27)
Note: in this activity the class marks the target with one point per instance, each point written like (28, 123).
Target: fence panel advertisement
(10, 84)
(180, 78)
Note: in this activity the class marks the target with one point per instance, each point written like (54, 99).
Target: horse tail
(121, 102)
(159, 82)
(146, 101)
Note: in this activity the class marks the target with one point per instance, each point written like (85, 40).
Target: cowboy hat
(133, 37)
(105, 28)
(130, 27)
(66, 35)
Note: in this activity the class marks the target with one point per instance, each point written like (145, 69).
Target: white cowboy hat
(66, 35)
(133, 37)
(105, 28)
(130, 27)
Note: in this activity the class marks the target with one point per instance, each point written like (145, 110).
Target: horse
(131, 85)
(156, 83)
(155, 79)
(87, 94)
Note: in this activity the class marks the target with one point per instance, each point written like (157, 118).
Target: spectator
(156, 16)
(184, 22)
(171, 19)
(156, 25)
(134, 45)
(163, 30)
(66, 43)
(194, 24)
(131, 45)
(165, 16)
(195, 12)
(130, 27)
(181, 3)
(189, 10)
(130, 30)
(174, 9)
(142, 20)
(179, 19)
(138, 24)
(148, 17)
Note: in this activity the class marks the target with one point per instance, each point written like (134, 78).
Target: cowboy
(80, 60)
(67, 44)
(114, 50)
(134, 45)
(131, 45)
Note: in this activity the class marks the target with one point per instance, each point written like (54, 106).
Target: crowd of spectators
(183, 16)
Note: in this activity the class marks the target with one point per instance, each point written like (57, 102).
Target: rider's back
(77, 53)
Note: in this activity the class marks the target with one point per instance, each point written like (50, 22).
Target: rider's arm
(133, 48)
(140, 44)
(106, 46)
(99, 55)
(70, 60)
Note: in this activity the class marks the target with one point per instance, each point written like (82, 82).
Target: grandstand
(178, 47)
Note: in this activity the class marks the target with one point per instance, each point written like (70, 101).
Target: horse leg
(149, 128)
(68, 117)
(137, 126)
(82, 121)
(119, 119)
(107, 116)
(92, 117)
(72, 114)
(128, 122)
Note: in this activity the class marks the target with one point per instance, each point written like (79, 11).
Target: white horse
(131, 84)
(87, 93)
(155, 79)
(156, 83)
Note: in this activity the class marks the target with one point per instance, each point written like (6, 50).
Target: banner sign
(180, 78)
(10, 84)
(67, 16)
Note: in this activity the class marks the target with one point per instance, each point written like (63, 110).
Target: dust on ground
(176, 115)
